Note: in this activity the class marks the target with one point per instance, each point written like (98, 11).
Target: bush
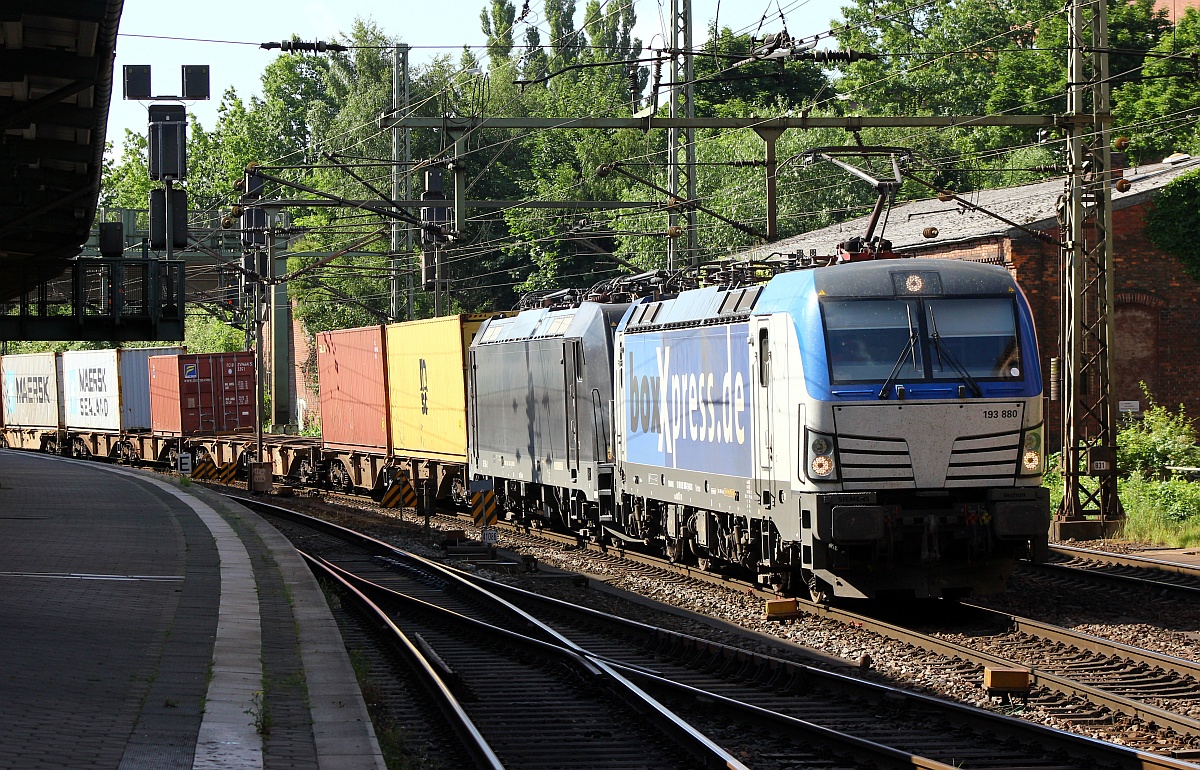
(1161, 512)
(1160, 439)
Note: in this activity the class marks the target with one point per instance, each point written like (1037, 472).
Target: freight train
(858, 430)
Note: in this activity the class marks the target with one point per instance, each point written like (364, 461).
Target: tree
(1031, 78)
(498, 26)
(1159, 110)
(126, 183)
(1172, 223)
(727, 83)
(936, 58)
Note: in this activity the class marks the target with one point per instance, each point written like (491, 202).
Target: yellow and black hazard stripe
(400, 494)
(483, 508)
(228, 472)
(205, 469)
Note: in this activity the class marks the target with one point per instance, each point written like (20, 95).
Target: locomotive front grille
(928, 445)
(984, 457)
(875, 460)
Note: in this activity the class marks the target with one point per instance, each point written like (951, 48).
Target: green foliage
(206, 334)
(939, 57)
(498, 26)
(1173, 221)
(1159, 111)
(1160, 439)
(720, 86)
(1161, 501)
(127, 183)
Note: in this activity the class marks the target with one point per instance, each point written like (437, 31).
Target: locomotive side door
(764, 448)
(572, 373)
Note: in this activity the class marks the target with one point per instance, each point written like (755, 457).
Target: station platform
(148, 624)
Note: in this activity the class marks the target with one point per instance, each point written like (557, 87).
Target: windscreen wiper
(951, 358)
(886, 391)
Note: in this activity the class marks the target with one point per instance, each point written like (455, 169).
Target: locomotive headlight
(1031, 452)
(820, 457)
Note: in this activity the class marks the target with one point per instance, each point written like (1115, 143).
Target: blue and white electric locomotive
(859, 430)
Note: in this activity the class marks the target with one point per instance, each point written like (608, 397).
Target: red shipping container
(199, 394)
(352, 375)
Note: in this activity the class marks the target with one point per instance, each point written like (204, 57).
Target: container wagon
(34, 417)
(106, 401)
(394, 401)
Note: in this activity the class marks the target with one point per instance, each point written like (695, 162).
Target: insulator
(1121, 143)
(945, 196)
(831, 57)
(1122, 185)
(674, 231)
(930, 232)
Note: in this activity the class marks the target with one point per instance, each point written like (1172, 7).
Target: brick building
(1157, 304)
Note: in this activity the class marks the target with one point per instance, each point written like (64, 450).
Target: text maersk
(29, 389)
(686, 402)
(91, 380)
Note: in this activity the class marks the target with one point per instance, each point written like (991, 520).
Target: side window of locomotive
(866, 338)
(764, 358)
(978, 334)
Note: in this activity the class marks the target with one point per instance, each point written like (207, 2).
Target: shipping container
(109, 390)
(202, 394)
(32, 390)
(352, 377)
(426, 375)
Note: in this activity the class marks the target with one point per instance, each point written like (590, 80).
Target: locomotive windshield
(911, 339)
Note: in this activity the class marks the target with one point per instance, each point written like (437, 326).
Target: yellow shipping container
(427, 385)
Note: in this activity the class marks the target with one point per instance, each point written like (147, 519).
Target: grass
(1163, 512)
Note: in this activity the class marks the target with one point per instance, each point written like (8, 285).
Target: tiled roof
(1032, 206)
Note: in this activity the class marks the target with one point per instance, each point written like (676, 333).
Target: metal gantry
(1089, 509)
(401, 188)
(681, 143)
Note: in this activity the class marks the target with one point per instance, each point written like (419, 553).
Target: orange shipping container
(353, 386)
(427, 388)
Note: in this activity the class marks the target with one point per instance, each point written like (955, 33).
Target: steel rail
(1091, 643)
(860, 748)
(1054, 683)
(472, 740)
(1112, 578)
(980, 718)
(709, 753)
(1181, 724)
(1127, 560)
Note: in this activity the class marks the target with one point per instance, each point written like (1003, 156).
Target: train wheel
(79, 449)
(339, 478)
(306, 474)
(172, 458)
(705, 563)
(818, 589)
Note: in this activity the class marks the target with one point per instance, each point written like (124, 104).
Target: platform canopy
(56, 81)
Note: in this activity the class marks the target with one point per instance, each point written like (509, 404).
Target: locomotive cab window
(921, 339)
(980, 335)
(866, 339)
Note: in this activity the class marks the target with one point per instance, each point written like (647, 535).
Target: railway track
(849, 722)
(1121, 569)
(513, 692)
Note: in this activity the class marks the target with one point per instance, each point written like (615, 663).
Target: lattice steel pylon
(681, 143)
(1089, 509)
